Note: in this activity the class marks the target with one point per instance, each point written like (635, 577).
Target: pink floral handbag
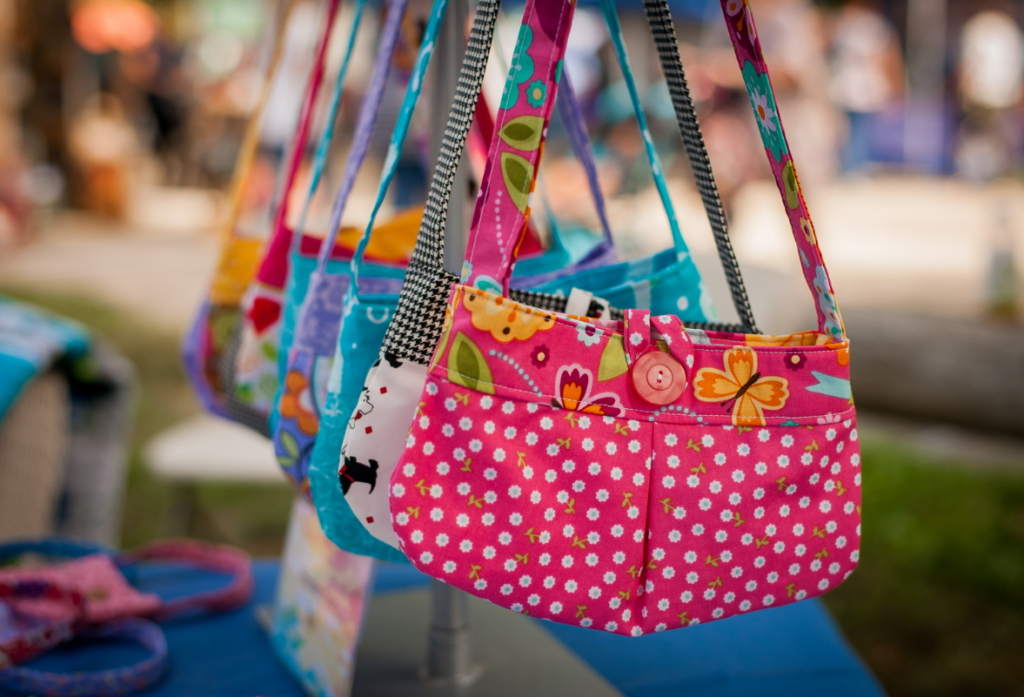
(634, 475)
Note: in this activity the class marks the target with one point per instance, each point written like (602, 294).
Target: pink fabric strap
(502, 208)
(516, 147)
(119, 598)
(219, 558)
(274, 268)
(747, 45)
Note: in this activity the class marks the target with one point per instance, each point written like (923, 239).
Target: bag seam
(790, 417)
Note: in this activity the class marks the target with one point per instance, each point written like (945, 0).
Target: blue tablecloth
(791, 651)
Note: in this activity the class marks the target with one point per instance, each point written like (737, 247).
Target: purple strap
(579, 139)
(364, 127)
(100, 683)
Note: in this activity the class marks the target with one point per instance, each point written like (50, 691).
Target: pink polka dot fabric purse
(631, 476)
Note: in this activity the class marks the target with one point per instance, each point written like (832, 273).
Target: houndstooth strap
(660, 19)
(419, 318)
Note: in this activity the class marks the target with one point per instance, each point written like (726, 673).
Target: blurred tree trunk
(957, 370)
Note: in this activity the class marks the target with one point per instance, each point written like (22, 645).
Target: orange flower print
(505, 320)
(808, 230)
(741, 388)
(573, 386)
(842, 353)
(297, 403)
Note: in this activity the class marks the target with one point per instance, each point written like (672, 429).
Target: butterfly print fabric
(550, 487)
(628, 476)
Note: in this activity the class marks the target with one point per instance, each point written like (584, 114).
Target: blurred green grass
(936, 607)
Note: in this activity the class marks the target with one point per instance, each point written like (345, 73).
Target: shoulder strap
(419, 316)
(660, 20)
(502, 205)
(367, 120)
(401, 131)
(323, 149)
(25, 645)
(273, 268)
(251, 139)
(579, 140)
(615, 31)
(109, 682)
(298, 145)
(747, 46)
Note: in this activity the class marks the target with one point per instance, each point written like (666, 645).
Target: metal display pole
(449, 658)
(449, 655)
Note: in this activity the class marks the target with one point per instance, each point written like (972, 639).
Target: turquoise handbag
(364, 322)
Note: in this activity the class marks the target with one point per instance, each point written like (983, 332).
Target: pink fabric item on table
(108, 594)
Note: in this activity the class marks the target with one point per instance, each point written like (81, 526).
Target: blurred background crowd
(134, 112)
(121, 120)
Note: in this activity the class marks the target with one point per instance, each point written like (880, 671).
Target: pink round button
(658, 378)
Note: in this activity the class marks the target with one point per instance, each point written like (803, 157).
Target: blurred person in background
(989, 82)
(867, 76)
(793, 37)
(989, 77)
(155, 75)
(102, 143)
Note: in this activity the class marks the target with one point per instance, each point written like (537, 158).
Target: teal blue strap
(324, 147)
(615, 30)
(412, 94)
